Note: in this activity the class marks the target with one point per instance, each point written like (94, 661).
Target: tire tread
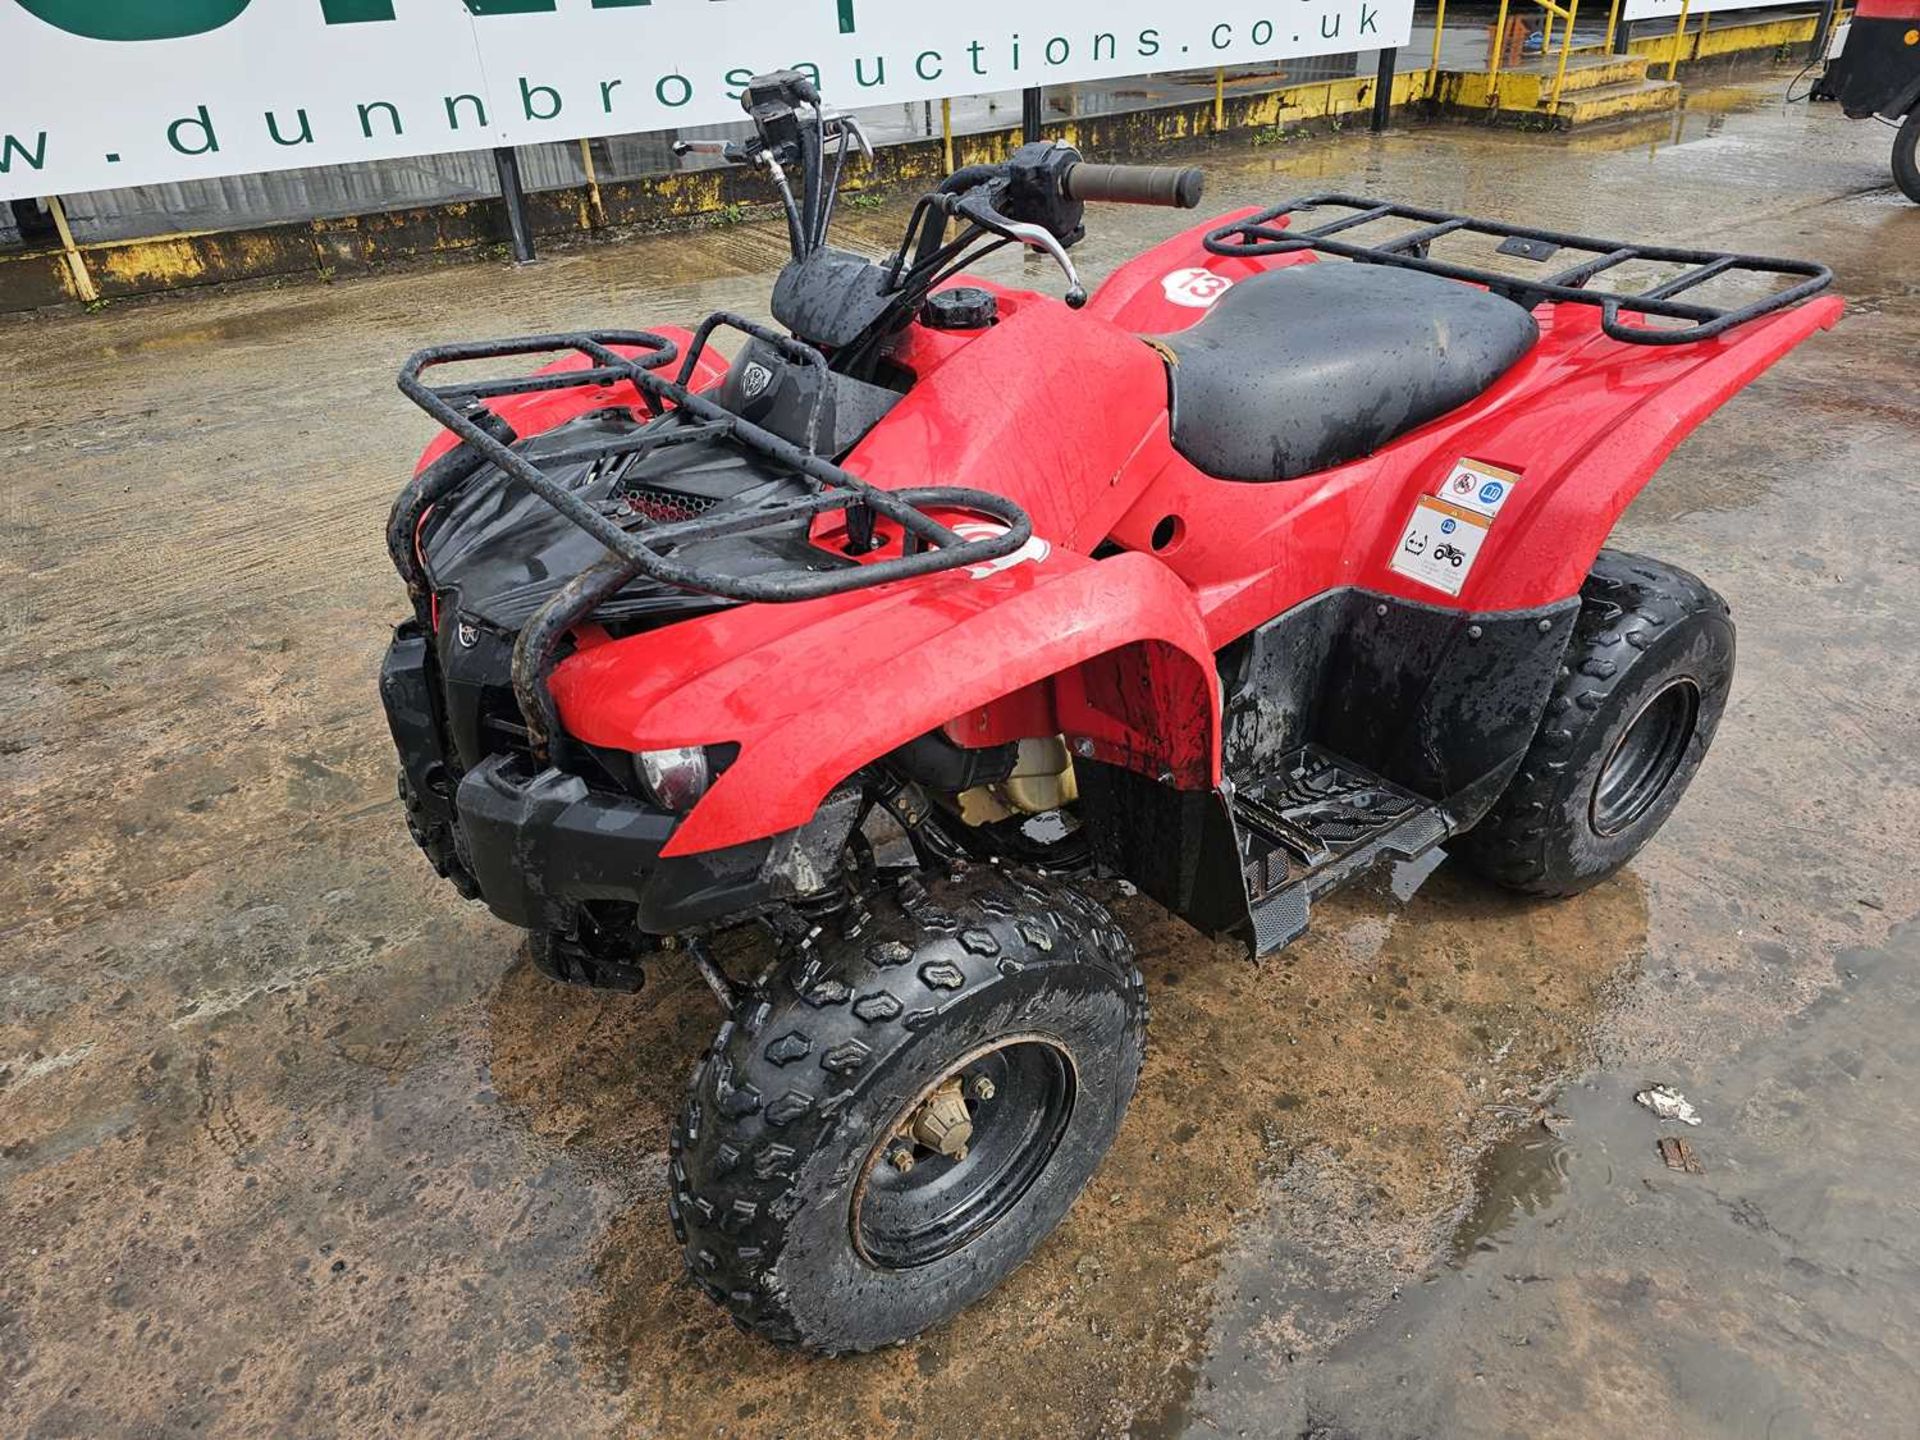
(730, 1217)
(1626, 602)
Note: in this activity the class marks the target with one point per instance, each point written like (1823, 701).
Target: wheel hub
(943, 1123)
(1646, 757)
(962, 1153)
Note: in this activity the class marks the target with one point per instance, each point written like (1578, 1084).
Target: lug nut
(981, 1088)
(901, 1158)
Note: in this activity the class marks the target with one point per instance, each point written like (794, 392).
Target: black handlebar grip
(1178, 187)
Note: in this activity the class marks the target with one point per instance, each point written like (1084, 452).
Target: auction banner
(105, 93)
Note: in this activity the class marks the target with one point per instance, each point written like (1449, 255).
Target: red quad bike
(1277, 557)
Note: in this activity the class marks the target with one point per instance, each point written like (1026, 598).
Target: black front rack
(650, 548)
(637, 546)
(1412, 250)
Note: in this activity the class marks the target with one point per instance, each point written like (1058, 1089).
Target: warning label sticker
(1439, 544)
(1478, 486)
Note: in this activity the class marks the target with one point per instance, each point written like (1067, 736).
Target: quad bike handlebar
(1066, 185)
(1035, 198)
(1178, 187)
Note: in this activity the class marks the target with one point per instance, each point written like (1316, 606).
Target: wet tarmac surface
(293, 1141)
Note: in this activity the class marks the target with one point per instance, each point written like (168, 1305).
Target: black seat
(1312, 365)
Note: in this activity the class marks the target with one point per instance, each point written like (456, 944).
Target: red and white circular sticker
(1035, 550)
(1196, 289)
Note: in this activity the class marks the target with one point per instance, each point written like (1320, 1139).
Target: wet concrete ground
(292, 1141)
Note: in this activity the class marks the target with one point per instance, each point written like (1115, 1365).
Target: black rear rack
(637, 546)
(1260, 235)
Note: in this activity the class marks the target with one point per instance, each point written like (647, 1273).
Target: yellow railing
(1566, 44)
(1433, 66)
(1565, 13)
(1679, 42)
(1679, 37)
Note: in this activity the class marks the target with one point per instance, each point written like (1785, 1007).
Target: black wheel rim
(903, 1219)
(1646, 757)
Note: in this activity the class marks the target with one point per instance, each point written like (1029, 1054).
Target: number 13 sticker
(1196, 289)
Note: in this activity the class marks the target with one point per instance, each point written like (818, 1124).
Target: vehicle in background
(1873, 71)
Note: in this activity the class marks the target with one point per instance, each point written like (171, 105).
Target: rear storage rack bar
(1268, 234)
(638, 546)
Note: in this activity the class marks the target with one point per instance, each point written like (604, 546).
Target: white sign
(1478, 486)
(104, 93)
(1439, 544)
(1670, 9)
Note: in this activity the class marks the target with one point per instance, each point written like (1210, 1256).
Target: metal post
(1433, 66)
(946, 134)
(1032, 113)
(1219, 98)
(1383, 89)
(76, 262)
(1679, 34)
(1824, 30)
(515, 199)
(594, 203)
(1613, 24)
(1499, 53)
(1566, 50)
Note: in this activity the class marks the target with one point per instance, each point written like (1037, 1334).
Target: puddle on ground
(270, 320)
(1591, 1290)
(1518, 1177)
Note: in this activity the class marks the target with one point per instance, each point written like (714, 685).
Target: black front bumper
(541, 844)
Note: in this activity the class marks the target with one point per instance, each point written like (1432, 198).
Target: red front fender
(811, 692)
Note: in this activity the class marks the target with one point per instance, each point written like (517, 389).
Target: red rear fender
(1580, 425)
(1592, 438)
(811, 692)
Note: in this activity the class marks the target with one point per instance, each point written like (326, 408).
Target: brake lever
(981, 212)
(728, 150)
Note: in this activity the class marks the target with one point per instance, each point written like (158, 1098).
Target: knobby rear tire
(1646, 630)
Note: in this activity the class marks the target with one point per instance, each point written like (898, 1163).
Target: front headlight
(676, 779)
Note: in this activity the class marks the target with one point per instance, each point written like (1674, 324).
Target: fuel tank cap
(965, 307)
